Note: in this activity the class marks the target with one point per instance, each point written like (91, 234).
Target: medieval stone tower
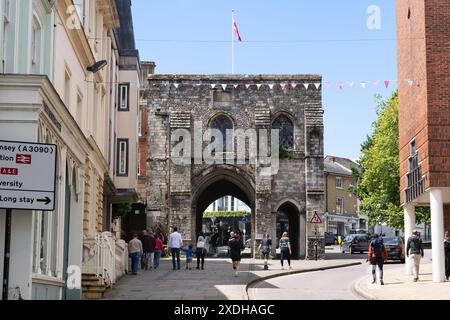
(178, 193)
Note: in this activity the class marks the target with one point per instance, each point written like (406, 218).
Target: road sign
(245, 220)
(27, 175)
(316, 218)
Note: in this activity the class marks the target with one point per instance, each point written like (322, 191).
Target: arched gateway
(213, 136)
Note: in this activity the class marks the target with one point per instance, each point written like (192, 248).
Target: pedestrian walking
(447, 254)
(266, 247)
(201, 251)
(159, 247)
(377, 256)
(175, 244)
(236, 247)
(215, 241)
(285, 250)
(148, 243)
(414, 251)
(135, 250)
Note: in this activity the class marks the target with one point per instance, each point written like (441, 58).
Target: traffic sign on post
(316, 219)
(27, 175)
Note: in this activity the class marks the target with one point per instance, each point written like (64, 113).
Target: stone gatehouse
(178, 193)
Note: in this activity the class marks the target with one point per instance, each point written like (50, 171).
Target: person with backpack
(414, 248)
(286, 251)
(377, 256)
(266, 246)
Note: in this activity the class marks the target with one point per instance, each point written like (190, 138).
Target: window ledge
(39, 278)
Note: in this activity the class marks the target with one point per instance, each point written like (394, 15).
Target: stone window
(223, 123)
(286, 127)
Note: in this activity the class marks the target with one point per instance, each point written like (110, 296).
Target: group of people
(147, 251)
(377, 255)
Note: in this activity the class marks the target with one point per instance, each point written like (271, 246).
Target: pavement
(216, 282)
(399, 286)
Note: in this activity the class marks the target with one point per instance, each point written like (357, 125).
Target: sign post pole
(6, 254)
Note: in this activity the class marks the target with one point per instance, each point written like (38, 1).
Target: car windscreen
(391, 241)
(349, 238)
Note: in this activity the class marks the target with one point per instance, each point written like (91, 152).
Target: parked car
(395, 247)
(330, 239)
(355, 243)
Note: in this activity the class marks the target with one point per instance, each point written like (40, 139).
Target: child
(189, 254)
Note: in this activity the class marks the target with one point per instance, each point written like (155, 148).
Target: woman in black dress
(236, 246)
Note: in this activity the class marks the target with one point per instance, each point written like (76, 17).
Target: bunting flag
(213, 85)
(176, 85)
(283, 86)
(306, 85)
(363, 84)
(386, 83)
(410, 82)
(352, 84)
(236, 86)
(328, 84)
(341, 85)
(317, 85)
(258, 86)
(418, 83)
(248, 85)
(271, 86)
(293, 85)
(224, 87)
(376, 82)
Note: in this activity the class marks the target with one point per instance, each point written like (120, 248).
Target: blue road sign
(244, 220)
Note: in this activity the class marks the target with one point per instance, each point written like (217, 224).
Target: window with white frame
(79, 114)
(122, 157)
(36, 39)
(124, 97)
(340, 205)
(339, 183)
(5, 20)
(139, 126)
(67, 87)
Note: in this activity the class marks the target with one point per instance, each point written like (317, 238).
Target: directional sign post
(27, 182)
(27, 176)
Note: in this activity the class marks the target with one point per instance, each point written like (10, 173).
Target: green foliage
(120, 209)
(225, 214)
(379, 180)
(285, 153)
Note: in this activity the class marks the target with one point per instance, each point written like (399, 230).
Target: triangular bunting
(376, 82)
(258, 86)
(306, 85)
(386, 83)
(328, 85)
(363, 84)
(317, 85)
(293, 85)
(176, 85)
(271, 86)
(352, 84)
(248, 85)
(418, 83)
(236, 86)
(341, 85)
(224, 87)
(283, 86)
(213, 86)
(410, 82)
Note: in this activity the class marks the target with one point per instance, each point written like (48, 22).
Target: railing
(105, 258)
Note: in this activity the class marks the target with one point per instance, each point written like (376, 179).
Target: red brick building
(423, 32)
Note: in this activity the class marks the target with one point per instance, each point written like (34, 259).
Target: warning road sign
(316, 218)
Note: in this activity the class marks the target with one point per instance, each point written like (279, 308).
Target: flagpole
(232, 41)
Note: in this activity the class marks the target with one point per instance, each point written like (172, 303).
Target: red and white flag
(236, 30)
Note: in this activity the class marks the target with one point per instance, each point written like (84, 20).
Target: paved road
(334, 284)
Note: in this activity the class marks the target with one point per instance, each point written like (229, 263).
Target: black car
(355, 243)
(395, 247)
(330, 239)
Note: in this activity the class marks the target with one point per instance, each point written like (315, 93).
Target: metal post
(6, 254)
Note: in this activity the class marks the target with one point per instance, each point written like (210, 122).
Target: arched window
(286, 127)
(223, 123)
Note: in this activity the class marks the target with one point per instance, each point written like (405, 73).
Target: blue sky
(306, 30)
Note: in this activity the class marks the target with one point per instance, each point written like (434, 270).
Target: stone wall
(189, 101)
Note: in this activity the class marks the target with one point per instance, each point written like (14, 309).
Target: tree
(378, 184)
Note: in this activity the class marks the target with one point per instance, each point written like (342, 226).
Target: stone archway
(216, 182)
(290, 218)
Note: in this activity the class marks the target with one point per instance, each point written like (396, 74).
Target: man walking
(175, 244)
(377, 257)
(148, 243)
(266, 247)
(135, 250)
(414, 248)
